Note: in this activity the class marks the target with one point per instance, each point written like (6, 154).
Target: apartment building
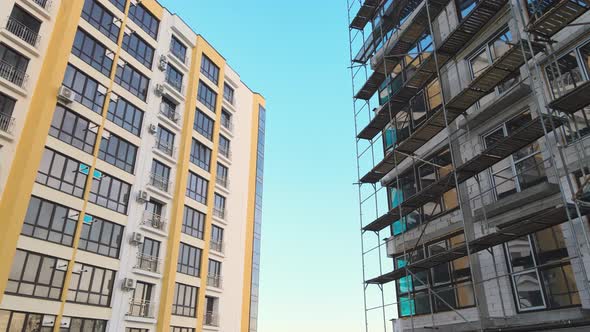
(472, 135)
(131, 170)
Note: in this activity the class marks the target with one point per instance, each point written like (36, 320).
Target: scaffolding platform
(365, 14)
(573, 100)
(561, 14)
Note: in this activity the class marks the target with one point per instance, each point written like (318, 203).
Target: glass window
(207, 96)
(101, 237)
(101, 19)
(189, 260)
(174, 78)
(12, 321)
(146, 20)
(185, 300)
(62, 173)
(148, 258)
(182, 329)
(219, 206)
(91, 285)
(16, 62)
(36, 275)
(214, 273)
(200, 155)
(50, 221)
(110, 192)
(203, 124)
(125, 115)
(73, 129)
(226, 119)
(228, 93)
(178, 49)
(119, 4)
(216, 240)
(224, 146)
(118, 152)
(132, 80)
(197, 188)
(168, 109)
(139, 49)
(193, 222)
(93, 52)
(6, 108)
(140, 305)
(210, 70)
(465, 7)
(222, 175)
(165, 141)
(160, 177)
(84, 325)
(88, 91)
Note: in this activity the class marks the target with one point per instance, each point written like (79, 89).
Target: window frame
(113, 242)
(36, 210)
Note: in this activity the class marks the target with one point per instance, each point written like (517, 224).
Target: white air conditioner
(143, 196)
(128, 284)
(66, 94)
(136, 238)
(159, 89)
(163, 63)
(153, 128)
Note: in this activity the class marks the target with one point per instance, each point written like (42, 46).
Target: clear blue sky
(296, 54)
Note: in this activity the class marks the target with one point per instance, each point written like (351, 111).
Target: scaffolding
(384, 56)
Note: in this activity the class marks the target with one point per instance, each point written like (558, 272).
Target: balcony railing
(165, 147)
(228, 124)
(175, 83)
(6, 123)
(226, 152)
(169, 112)
(160, 182)
(23, 32)
(214, 280)
(12, 74)
(177, 55)
(217, 246)
(147, 263)
(45, 4)
(153, 220)
(222, 181)
(219, 213)
(211, 319)
(140, 308)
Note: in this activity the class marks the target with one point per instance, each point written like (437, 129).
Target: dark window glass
(101, 19)
(88, 91)
(216, 241)
(189, 260)
(140, 305)
(62, 173)
(207, 96)
(139, 49)
(210, 70)
(178, 49)
(197, 188)
(50, 221)
(165, 141)
(219, 206)
(464, 7)
(132, 80)
(13, 321)
(182, 329)
(101, 237)
(214, 274)
(193, 222)
(125, 115)
(6, 108)
(224, 146)
(14, 65)
(200, 155)
(135, 329)
(174, 78)
(118, 152)
(160, 177)
(27, 25)
(110, 192)
(226, 119)
(85, 325)
(228, 93)
(93, 52)
(36, 275)
(168, 109)
(146, 21)
(203, 124)
(185, 300)
(91, 285)
(73, 129)
(119, 4)
(222, 175)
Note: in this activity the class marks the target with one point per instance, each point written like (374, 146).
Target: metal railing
(222, 181)
(12, 74)
(220, 213)
(214, 280)
(211, 319)
(45, 4)
(6, 123)
(175, 83)
(160, 182)
(217, 246)
(165, 147)
(140, 308)
(169, 112)
(147, 263)
(182, 58)
(228, 124)
(23, 32)
(226, 152)
(153, 220)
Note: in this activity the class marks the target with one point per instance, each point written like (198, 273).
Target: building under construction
(472, 124)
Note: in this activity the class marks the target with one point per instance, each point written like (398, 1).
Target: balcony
(222, 181)
(214, 280)
(165, 147)
(23, 32)
(217, 246)
(45, 4)
(211, 319)
(549, 17)
(6, 123)
(154, 221)
(227, 124)
(365, 14)
(147, 263)
(169, 113)
(219, 213)
(160, 182)
(13, 75)
(226, 152)
(140, 308)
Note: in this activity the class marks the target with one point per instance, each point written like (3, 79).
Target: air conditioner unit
(143, 196)
(128, 284)
(163, 63)
(159, 89)
(153, 128)
(66, 94)
(136, 238)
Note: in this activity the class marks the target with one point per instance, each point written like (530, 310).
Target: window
(139, 49)
(228, 93)
(222, 175)
(207, 96)
(148, 258)
(211, 307)
(36, 275)
(174, 78)
(110, 192)
(13, 321)
(93, 52)
(101, 19)
(165, 141)
(451, 281)
(125, 115)
(182, 329)
(214, 274)
(73, 129)
(200, 155)
(136, 329)
(119, 4)
(226, 119)
(62, 173)
(193, 222)
(101, 237)
(118, 152)
(203, 125)
(219, 207)
(160, 177)
(168, 109)
(464, 7)
(541, 277)
(132, 80)
(24, 25)
(6, 108)
(224, 146)
(189, 260)
(88, 91)
(210, 70)
(216, 240)
(91, 285)
(50, 221)
(178, 49)
(197, 188)
(14, 65)
(185, 300)
(146, 21)
(140, 305)
(153, 215)
(84, 325)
